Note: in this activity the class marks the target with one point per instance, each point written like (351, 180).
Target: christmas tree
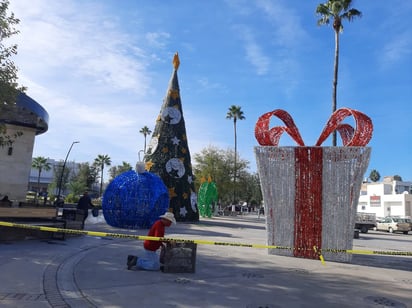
(168, 153)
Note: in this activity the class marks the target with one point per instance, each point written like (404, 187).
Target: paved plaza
(90, 271)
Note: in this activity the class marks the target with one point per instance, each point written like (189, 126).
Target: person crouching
(150, 259)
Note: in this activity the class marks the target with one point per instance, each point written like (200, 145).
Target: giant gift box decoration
(311, 192)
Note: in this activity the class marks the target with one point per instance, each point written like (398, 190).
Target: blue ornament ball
(135, 200)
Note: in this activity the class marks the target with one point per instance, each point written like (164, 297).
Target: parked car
(31, 196)
(393, 224)
(409, 221)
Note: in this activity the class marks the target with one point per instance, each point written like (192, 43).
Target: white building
(47, 176)
(387, 198)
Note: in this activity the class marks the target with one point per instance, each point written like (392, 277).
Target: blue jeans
(149, 261)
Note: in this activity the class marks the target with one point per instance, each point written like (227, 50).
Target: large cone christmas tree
(168, 153)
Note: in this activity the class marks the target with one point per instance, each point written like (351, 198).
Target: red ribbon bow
(360, 136)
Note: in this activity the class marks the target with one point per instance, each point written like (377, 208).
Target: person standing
(84, 204)
(6, 201)
(150, 260)
(44, 194)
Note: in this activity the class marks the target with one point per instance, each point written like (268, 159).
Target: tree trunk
(38, 187)
(335, 81)
(101, 183)
(234, 173)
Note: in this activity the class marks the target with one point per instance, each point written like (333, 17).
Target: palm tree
(40, 163)
(235, 113)
(101, 161)
(338, 10)
(117, 170)
(146, 132)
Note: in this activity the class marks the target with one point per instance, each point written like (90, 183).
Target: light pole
(140, 164)
(139, 154)
(61, 176)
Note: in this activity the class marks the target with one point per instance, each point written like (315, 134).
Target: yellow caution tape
(202, 242)
(322, 260)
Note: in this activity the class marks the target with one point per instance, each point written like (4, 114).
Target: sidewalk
(87, 271)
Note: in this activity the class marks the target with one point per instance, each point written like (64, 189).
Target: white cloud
(157, 39)
(270, 45)
(88, 43)
(206, 85)
(254, 52)
(257, 58)
(86, 72)
(396, 49)
(286, 24)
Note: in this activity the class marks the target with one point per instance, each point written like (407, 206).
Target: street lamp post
(139, 154)
(64, 165)
(140, 164)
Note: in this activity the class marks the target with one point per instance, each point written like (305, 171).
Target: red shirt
(158, 230)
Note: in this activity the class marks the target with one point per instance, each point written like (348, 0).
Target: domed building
(27, 119)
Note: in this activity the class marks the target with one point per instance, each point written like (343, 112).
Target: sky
(101, 70)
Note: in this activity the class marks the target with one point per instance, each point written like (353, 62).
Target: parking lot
(386, 242)
(380, 240)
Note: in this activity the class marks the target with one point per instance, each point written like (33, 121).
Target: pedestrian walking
(84, 204)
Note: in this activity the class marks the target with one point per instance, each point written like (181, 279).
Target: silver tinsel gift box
(311, 193)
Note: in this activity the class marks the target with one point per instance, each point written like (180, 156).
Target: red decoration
(308, 201)
(308, 169)
(350, 136)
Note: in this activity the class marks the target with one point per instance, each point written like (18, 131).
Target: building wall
(386, 198)
(47, 177)
(15, 168)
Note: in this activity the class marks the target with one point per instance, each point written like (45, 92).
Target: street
(386, 242)
(379, 240)
(90, 271)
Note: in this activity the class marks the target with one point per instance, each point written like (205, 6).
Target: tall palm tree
(338, 10)
(40, 163)
(101, 161)
(235, 113)
(146, 132)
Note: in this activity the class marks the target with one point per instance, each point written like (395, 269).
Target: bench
(6, 203)
(30, 212)
(74, 218)
(35, 216)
